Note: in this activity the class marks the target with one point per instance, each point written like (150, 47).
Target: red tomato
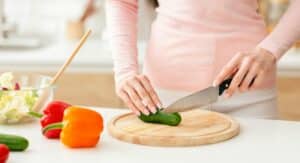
(4, 152)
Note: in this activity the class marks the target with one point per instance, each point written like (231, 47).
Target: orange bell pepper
(81, 128)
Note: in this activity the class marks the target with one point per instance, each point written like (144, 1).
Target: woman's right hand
(139, 95)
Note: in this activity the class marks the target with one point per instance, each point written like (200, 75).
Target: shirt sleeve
(286, 32)
(122, 28)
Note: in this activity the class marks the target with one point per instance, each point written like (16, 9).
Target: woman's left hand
(248, 69)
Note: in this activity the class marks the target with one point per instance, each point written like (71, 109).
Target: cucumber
(14, 142)
(171, 119)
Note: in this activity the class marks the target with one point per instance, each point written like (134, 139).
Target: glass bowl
(28, 90)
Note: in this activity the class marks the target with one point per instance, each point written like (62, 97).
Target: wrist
(266, 53)
(121, 78)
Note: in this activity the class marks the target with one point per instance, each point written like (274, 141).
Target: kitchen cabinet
(289, 97)
(90, 89)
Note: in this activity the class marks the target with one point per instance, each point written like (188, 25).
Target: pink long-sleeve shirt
(191, 40)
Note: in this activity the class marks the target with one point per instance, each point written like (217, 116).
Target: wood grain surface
(198, 127)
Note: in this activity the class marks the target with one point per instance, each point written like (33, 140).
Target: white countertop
(48, 58)
(259, 141)
(95, 56)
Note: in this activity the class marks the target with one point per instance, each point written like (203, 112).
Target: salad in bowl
(19, 94)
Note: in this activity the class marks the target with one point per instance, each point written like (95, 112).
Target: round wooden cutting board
(197, 127)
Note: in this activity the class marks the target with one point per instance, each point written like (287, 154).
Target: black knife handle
(224, 85)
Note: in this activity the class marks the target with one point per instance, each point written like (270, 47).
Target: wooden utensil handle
(38, 104)
(66, 64)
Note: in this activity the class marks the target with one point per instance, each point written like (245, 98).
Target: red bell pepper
(4, 153)
(53, 113)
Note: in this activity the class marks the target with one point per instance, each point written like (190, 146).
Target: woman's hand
(139, 95)
(248, 70)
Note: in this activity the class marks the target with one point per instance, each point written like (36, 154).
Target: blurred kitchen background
(38, 35)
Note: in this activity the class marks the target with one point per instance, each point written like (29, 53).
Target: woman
(197, 43)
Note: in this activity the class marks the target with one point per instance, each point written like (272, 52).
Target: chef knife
(199, 98)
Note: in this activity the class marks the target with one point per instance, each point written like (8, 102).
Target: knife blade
(199, 98)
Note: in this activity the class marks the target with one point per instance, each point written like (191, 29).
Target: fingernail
(146, 113)
(159, 106)
(137, 113)
(153, 110)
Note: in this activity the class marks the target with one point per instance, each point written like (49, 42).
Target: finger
(124, 96)
(136, 100)
(144, 95)
(258, 80)
(154, 97)
(239, 76)
(249, 77)
(228, 69)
